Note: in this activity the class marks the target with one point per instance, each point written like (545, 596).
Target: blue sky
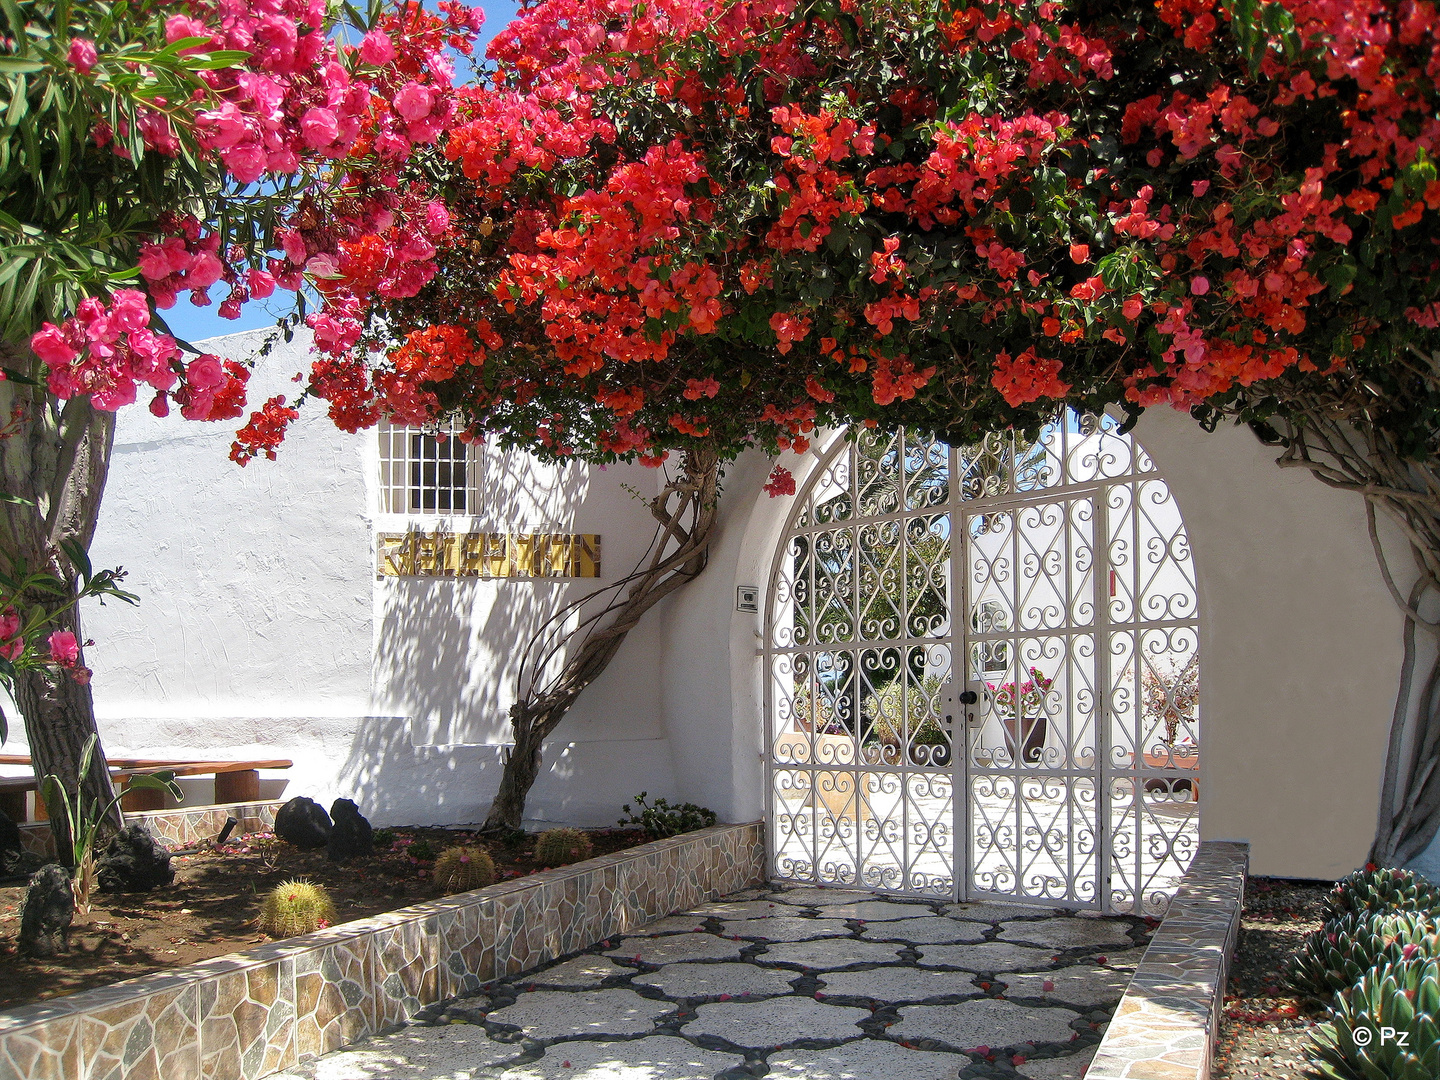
(193, 323)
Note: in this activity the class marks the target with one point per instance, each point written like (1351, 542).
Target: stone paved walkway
(795, 984)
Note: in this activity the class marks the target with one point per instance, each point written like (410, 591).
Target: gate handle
(968, 697)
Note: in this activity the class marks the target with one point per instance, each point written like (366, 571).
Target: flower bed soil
(211, 908)
(1264, 1032)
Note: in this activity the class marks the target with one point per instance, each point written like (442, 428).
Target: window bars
(427, 471)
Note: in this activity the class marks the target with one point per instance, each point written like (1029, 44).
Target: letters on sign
(487, 555)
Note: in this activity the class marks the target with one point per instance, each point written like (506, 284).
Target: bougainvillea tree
(696, 226)
(161, 152)
(689, 224)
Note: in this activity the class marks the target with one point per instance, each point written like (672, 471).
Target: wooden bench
(235, 782)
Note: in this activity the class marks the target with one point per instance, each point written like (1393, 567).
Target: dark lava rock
(45, 917)
(303, 822)
(134, 861)
(351, 836)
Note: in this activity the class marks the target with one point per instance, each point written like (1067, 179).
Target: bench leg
(142, 799)
(242, 786)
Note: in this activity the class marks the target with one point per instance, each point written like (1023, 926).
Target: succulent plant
(560, 846)
(1334, 957)
(460, 869)
(296, 907)
(1383, 889)
(1386, 1027)
(662, 820)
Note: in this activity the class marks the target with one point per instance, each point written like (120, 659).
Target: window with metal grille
(426, 472)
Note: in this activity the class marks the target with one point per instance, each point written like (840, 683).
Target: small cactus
(296, 907)
(560, 846)
(460, 869)
(1373, 890)
(1386, 1025)
(1334, 958)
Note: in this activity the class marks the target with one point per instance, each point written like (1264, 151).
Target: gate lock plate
(973, 703)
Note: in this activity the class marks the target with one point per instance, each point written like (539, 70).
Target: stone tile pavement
(794, 984)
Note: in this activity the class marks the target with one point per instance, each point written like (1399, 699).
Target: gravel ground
(1264, 1033)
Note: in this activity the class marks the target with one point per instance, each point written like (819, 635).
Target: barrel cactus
(1383, 889)
(460, 869)
(1386, 1026)
(296, 907)
(560, 846)
(1334, 958)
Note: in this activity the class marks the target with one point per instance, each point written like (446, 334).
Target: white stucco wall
(263, 631)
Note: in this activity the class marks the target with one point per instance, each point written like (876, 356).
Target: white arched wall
(1300, 650)
(1300, 646)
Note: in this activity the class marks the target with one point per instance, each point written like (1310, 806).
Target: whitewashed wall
(263, 631)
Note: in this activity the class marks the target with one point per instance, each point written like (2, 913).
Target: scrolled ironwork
(1057, 571)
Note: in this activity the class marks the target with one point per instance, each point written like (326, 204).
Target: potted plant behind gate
(1021, 709)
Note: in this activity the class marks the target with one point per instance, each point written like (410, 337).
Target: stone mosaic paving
(252, 1014)
(789, 984)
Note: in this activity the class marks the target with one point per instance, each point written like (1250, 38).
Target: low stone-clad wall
(181, 828)
(244, 1016)
(1165, 1025)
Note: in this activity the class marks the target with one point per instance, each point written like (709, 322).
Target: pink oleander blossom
(64, 649)
(377, 48)
(83, 56)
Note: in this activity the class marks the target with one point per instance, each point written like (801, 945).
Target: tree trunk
(56, 460)
(686, 511)
(522, 769)
(59, 717)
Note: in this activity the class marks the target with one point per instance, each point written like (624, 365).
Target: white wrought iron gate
(982, 672)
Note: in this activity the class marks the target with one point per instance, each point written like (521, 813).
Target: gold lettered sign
(487, 555)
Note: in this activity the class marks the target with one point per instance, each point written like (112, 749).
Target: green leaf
(19, 65)
(1341, 275)
(75, 552)
(157, 781)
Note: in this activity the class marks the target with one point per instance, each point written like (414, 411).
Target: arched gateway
(982, 672)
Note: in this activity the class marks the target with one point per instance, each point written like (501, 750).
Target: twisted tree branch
(686, 512)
